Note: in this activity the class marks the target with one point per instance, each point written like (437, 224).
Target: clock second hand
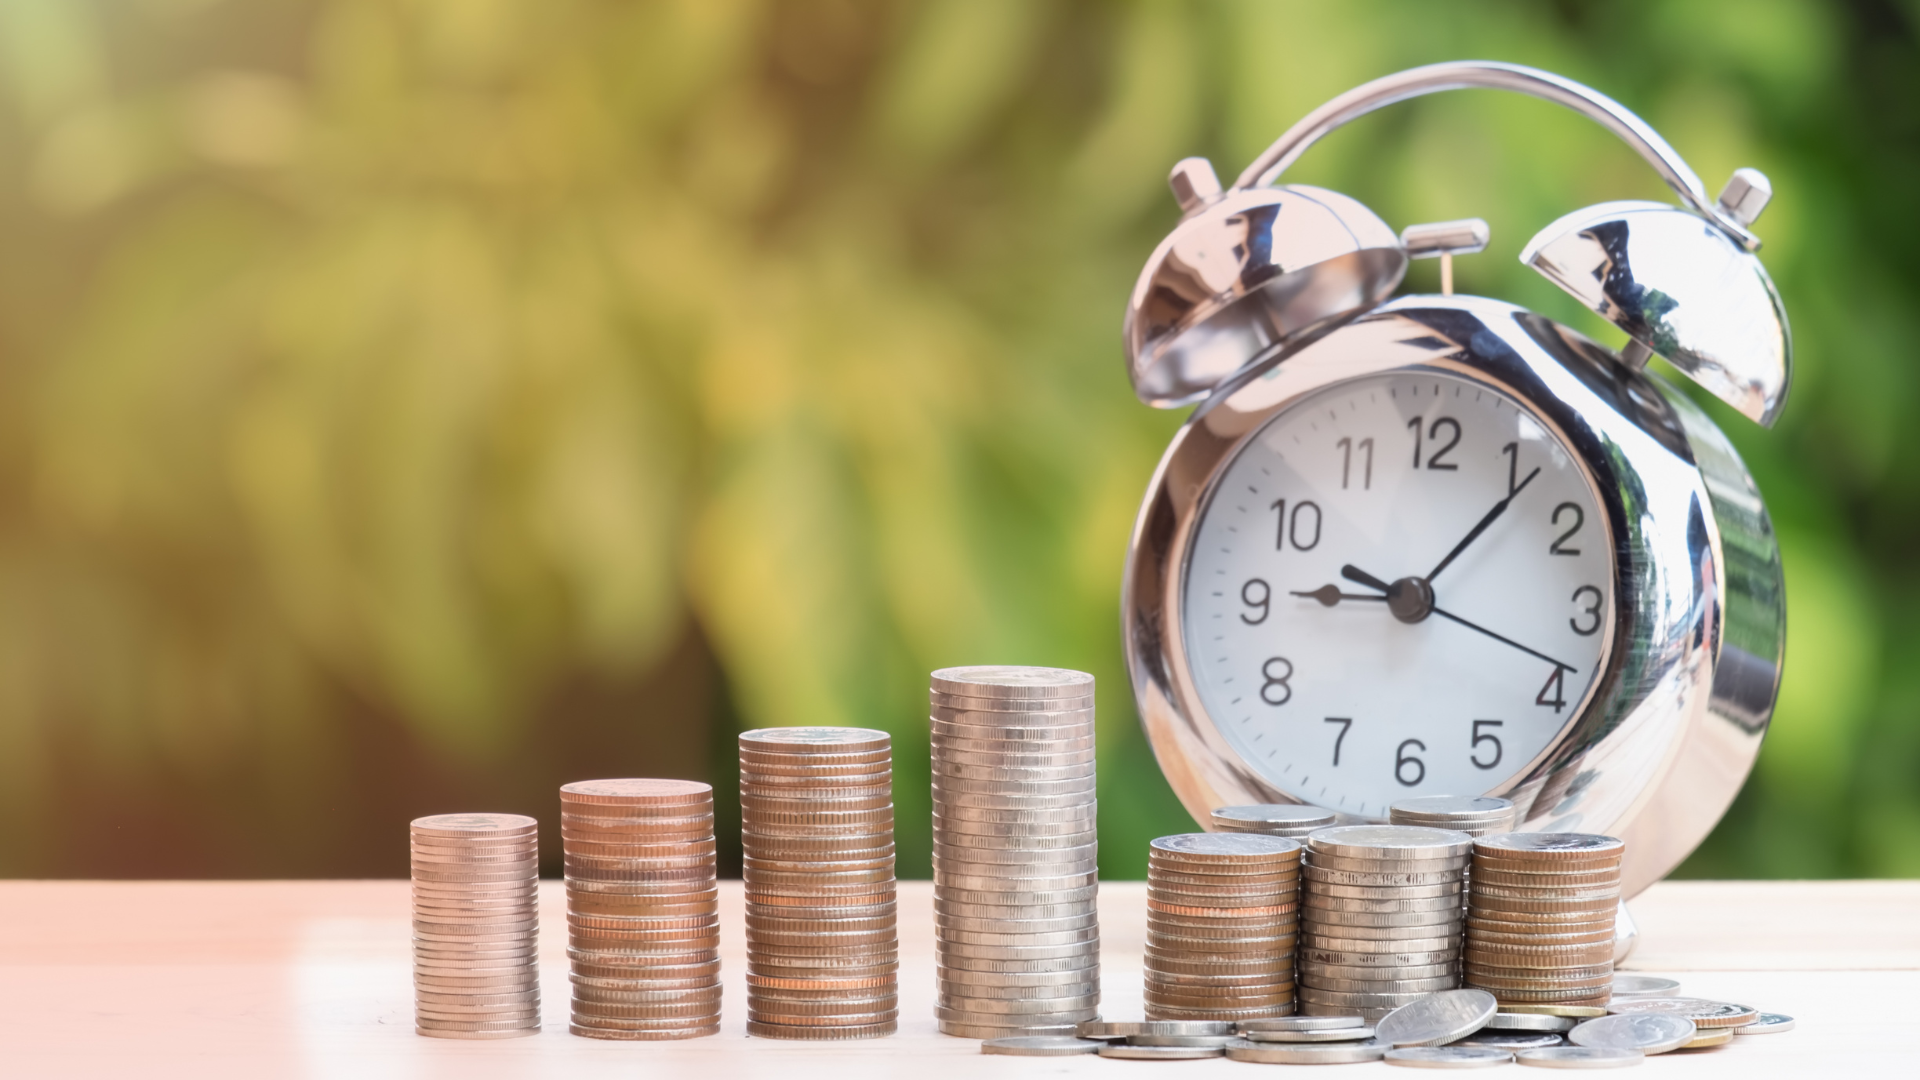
(1355, 574)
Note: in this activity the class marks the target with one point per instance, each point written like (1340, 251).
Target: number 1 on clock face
(1398, 587)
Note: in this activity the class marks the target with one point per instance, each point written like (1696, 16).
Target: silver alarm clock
(1443, 545)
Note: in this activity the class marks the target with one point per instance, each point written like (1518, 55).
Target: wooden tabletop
(312, 979)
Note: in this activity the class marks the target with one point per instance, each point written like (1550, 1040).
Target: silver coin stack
(643, 916)
(816, 822)
(1291, 820)
(1474, 815)
(1540, 918)
(1223, 917)
(1016, 930)
(476, 882)
(1382, 919)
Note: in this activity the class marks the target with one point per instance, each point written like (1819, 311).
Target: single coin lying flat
(1579, 1057)
(1506, 1020)
(1644, 986)
(1511, 1040)
(1448, 1057)
(1041, 1046)
(1710, 1038)
(1323, 1035)
(1130, 1052)
(1308, 1053)
(1300, 1023)
(1705, 1013)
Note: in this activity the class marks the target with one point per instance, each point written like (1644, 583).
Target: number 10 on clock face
(1400, 585)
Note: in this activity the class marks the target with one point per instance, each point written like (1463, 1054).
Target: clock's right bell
(1682, 287)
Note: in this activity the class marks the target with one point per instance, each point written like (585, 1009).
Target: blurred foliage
(422, 359)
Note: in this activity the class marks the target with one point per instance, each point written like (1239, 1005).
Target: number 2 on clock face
(1456, 500)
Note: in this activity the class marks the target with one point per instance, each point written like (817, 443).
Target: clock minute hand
(1493, 515)
(1500, 638)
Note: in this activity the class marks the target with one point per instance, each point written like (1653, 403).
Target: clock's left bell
(1245, 270)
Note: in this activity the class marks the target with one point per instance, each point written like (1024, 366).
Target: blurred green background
(409, 405)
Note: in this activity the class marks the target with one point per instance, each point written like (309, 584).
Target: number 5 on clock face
(1399, 585)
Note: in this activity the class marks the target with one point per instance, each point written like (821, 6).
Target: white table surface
(312, 979)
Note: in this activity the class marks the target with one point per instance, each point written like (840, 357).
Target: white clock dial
(1346, 697)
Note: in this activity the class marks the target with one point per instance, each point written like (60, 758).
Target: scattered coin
(1767, 1024)
(1644, 986)
(1520, 1021)
(1437, 1019)
(1449, 1057)
(475, 918)
(1512, 1040)
(1710, 1038)
(1130, 1052)
(1180, 1040)
(1041, 1046)
(1320, 1035)
(1704, 1013)
(1649, 1033)
(1547, 1009)
(1579, 1057)
(1014, 851)
(1308, 1053)
(1299, 1023)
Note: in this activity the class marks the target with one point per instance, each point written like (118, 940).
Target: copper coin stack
(816, 821)
(1291, 820)
(1015, 859)
(476, 882)
(1223, 916)
(1540, 917)
(643, 920)
(1382, 919)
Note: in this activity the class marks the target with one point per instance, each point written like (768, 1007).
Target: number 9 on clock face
(1400, 585)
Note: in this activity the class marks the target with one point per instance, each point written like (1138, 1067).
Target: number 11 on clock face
(1399, 585)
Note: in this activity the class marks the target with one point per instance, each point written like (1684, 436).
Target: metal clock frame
(1667, 733)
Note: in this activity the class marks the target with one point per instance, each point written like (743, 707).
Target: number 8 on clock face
(1400, 585)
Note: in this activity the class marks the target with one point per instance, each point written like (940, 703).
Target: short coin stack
(643, 922)
(1382, 917)
(1291, 820)
(1540, 917)
(1223, 917)
(476, 880)
(1016, 930)
(816, 822)
(1476, 816)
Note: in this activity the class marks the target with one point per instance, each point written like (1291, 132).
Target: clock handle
(1492, 75)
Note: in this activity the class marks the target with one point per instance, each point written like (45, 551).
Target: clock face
(1400, 586)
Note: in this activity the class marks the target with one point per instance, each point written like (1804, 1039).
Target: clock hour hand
(1493, 515)
(1502, 639)
(1359, 576)
(1329, 595)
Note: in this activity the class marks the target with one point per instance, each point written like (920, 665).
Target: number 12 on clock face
(1399, 585)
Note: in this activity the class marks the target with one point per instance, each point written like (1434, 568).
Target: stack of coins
(1016, 932)
(1223, 913)
(816, 823)
(643, 921)
(1291, 820)
(1540, 917)
(1382, 918)
(476, 882)
(1475, 816)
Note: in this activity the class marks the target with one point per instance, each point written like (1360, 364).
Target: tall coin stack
(816, 822)
(1291, 820)
(1223, 917)
(1382, 918)
(1540, 917)
(476, 881)
(643, 921)
(1016, 931)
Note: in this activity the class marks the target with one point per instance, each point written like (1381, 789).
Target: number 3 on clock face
(1400, 585)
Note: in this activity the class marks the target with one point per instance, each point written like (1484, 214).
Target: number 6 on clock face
(1399, 585)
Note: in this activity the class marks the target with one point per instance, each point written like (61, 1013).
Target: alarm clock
(1443, 545)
